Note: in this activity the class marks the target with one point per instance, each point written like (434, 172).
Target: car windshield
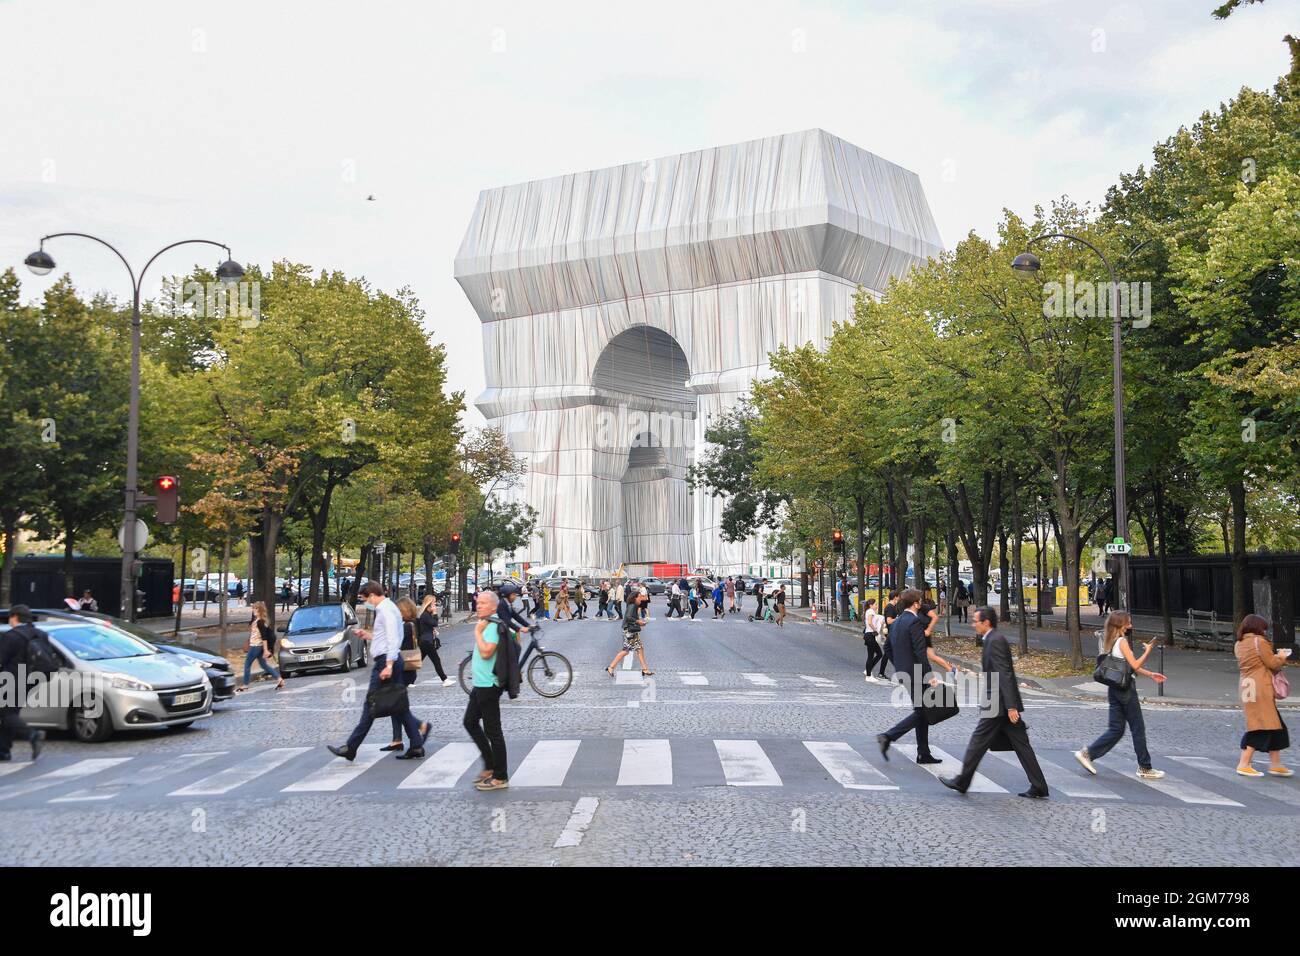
(134, 630)
(88, 642)
(327, 616)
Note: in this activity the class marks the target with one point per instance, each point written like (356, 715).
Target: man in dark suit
(907, 651)
(1000, 724)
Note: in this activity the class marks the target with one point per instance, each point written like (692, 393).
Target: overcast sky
(266, 124)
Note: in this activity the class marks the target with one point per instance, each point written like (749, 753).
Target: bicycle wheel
(550, 674)
(465, 674)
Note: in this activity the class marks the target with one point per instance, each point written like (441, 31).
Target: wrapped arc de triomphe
(624, 308)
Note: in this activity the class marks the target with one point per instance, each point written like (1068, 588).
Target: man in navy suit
(908, 652)
(1000, 722)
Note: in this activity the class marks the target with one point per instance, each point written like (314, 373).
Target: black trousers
(914, 721)
(874, 654)
(13, 727)
(483, 723)
(986, 730)
(427, 649)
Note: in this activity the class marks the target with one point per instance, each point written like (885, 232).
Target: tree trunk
(11, 519)
(1004, 568)
(222, 613)
(1162, 563)
(270, 540)
(1017, 557)
(1069, 526)
(952, 578)
(918, 552)
(69, 586)
(1237, 493)
(862, 554)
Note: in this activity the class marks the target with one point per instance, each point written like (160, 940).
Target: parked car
(321, 636)
(218, 670)
(110, 681)
(656, 586)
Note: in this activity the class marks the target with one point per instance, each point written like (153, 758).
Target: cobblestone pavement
(749, 745)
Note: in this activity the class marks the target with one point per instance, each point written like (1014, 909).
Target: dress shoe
(884, 742)
(952, 784)
(1033, 794)
(415, 753)
(929, 758)
(342, 752)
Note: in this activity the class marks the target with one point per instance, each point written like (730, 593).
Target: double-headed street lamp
(41, 263)
(1027, 262)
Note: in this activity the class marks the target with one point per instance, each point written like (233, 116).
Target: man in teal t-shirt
(483, 713)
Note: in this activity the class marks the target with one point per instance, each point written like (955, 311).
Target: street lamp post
(41, 263)
(1030, 263)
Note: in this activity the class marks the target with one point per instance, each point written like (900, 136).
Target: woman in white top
(1124, 705)
(873, 630)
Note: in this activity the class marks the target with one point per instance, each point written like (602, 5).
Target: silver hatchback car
(110, 681)
(321, 636)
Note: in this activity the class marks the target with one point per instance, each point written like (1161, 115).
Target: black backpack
(40, 656)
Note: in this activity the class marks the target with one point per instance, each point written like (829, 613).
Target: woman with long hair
(261, 641)
(409, 616)
(1265, 729)
(1125, 708)
(427, 634)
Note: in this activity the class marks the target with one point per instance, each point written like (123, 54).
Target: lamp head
(230, 272)
(40, 262)
(1027, 263)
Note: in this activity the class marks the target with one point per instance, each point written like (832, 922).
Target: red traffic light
(839, 535)
(455, 542)
(167, 498)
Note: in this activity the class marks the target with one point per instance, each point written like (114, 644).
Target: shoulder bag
(1114, 672)
(1281, 686)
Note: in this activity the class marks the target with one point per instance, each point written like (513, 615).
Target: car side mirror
(282, 629)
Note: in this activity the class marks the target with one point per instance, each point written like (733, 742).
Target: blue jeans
(406, 718)
(1124, 709)
(255, 654)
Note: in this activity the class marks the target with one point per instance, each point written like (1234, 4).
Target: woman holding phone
(1265, 729)
(1125, 708)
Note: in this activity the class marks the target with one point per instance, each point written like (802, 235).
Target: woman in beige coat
(1265, 729)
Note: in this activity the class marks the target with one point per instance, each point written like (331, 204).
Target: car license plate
(314, 657)
(193, 698)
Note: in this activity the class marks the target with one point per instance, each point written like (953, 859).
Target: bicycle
(550, 674)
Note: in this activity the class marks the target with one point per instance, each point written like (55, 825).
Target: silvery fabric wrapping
(624, 308)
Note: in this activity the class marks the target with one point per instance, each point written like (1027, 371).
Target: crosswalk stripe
(337, 772)
(6, 769)
(1061, 779)
(241, 773)
(314, 685)
(1279, 790)
(694, 678)
(744, 764)
(1180, 789)
(847, 766)
(82, 768)
(627, 662)
(546, 764)
(147, 775)
(762, 680)
(583, 813)
(950, 767)
(646, 763)
(819, 681)
(441, 770)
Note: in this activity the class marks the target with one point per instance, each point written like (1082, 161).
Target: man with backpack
(24, 649)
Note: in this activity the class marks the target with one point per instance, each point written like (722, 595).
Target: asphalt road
(750, 745)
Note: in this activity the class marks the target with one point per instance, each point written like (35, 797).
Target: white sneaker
(449, 682)
(1083, 758)
(1150, 774)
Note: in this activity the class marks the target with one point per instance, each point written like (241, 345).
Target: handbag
(939, 702)
(388, 699)
(1114, 672)
(1281, 686)
(412, 659)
